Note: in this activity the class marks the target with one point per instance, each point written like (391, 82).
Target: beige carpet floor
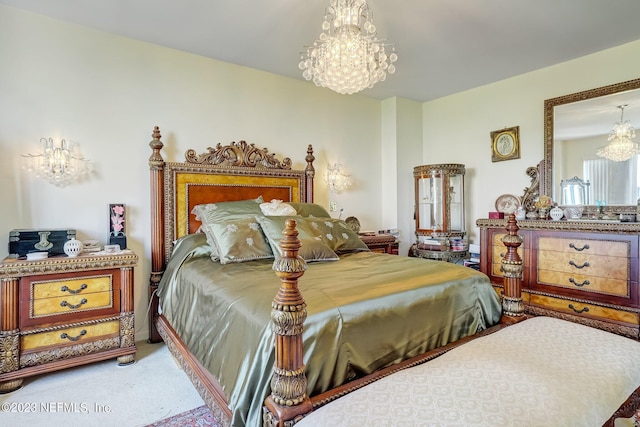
(104, 394)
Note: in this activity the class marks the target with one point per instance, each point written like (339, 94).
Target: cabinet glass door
(456, 196)
(430, 197)
(439, 198)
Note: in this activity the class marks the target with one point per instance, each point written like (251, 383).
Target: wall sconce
(59, 164)
(336, 180)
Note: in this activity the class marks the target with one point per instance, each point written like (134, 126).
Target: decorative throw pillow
(223, 211)
(312, 249)
(238, 240)
(310, 210)
(337, 235)
(277, 208)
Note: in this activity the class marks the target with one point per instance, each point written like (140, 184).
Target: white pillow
(277, 208)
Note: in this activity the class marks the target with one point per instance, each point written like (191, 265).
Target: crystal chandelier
(621, 146)
(347, 57)
(336, 180)
(59, 164)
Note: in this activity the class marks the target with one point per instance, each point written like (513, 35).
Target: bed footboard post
(512, 304)
(288, 399)
(310, 173)
(156, 167)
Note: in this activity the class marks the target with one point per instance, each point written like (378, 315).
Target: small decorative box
(22, 242)
(496, 215)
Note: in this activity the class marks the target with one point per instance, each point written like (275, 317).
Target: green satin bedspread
(365, 311)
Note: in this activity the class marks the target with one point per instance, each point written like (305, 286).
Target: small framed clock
(505, 144)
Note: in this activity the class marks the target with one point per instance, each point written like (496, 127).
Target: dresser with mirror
(586, 268)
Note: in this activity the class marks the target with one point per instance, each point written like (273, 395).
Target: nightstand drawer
(68, 336)
(69, 309)
(68, 287)
(70, 304)
(69, 297)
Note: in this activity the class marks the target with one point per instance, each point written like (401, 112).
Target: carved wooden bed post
(310, 173)
(156, 166)
(288, 397)
(512, 305)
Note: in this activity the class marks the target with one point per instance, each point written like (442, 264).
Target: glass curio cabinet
(439, 212)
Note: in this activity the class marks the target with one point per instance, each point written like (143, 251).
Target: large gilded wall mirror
(575, 127)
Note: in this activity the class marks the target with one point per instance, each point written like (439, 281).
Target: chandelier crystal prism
(348, 57)
(621, 146)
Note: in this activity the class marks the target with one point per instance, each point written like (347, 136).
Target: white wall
(401, 146)
(457, 128)
(106, 93)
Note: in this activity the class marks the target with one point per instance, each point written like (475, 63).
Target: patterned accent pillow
(313, 249)
(277, 208)
(337, 235)
(223, 211)
(310, 210)
(237, 240)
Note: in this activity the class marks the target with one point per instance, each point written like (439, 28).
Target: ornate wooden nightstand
(383, 243)
(61, 312)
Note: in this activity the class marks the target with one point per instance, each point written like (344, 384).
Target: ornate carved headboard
(236, 171)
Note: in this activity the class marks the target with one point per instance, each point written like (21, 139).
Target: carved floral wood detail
(238, 154)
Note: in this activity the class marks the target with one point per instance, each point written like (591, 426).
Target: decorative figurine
(353, 223)
(117, 225)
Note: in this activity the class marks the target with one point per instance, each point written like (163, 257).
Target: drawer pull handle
(583, 310)
(74, 306)
(65, 288)
(64, 336)
(586, 264)
(572, 246)
(585, 283)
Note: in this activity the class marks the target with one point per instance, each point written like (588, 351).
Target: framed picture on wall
(505, 144)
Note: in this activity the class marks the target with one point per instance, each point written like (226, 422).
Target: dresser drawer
(585, 246)
(588, 265)
(69, 336)
(583, 309)
(586, 283)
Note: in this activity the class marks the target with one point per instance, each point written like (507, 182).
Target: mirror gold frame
(550, 104)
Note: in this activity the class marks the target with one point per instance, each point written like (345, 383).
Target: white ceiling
(444, 46)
